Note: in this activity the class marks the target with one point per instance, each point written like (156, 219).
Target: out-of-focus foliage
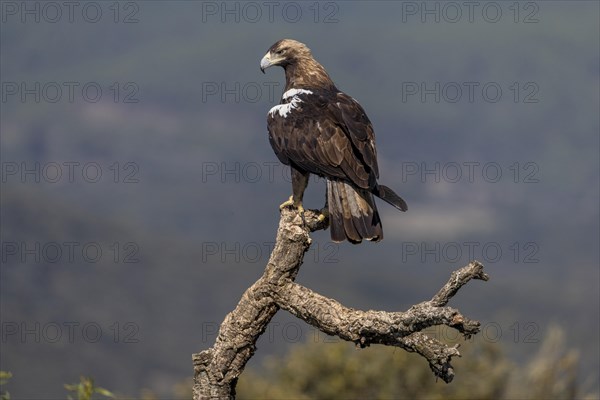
(337, 370)
(340, 371)
(4, 378)
(86, 388)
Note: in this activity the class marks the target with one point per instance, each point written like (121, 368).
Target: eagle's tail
(353, 214)
(388, 195)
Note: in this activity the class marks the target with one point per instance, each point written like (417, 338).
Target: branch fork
(217, 369)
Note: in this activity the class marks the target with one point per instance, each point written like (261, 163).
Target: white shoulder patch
(295, 92)
(285, 109)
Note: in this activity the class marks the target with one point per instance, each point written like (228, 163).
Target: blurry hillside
(126, 267)
(337, 370)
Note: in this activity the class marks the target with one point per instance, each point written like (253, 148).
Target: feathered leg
(299, 183)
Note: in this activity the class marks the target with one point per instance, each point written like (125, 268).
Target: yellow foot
(298, 206)
(288, 203)
(324, 214)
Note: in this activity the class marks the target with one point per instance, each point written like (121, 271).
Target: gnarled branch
(217, 369)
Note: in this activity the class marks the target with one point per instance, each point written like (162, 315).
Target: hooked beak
(265, 62)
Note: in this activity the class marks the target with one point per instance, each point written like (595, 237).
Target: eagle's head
(285, 52)
(302, 71)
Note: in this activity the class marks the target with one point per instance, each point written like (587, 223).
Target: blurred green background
(124, 268)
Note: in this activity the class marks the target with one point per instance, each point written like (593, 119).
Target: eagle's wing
(325, 133)
(357, 127)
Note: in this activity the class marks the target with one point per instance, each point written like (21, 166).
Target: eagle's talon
(323, 214)
(295, 205)
(301, 212)
(288, 203)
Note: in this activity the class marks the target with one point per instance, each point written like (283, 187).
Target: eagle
(318, 129)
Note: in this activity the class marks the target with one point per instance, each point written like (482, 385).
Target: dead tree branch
(217, 369)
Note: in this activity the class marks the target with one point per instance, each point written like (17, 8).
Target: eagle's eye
(280, 52)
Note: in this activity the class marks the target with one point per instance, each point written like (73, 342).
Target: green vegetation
(335, 369)
(86, 388)
(340, 371)
(4, 378)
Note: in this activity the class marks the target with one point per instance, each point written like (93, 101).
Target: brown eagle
(320, 130)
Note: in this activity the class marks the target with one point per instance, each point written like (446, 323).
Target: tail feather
(352, 213)
(386, 194)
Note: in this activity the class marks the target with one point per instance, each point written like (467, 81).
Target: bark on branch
(217, 369)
